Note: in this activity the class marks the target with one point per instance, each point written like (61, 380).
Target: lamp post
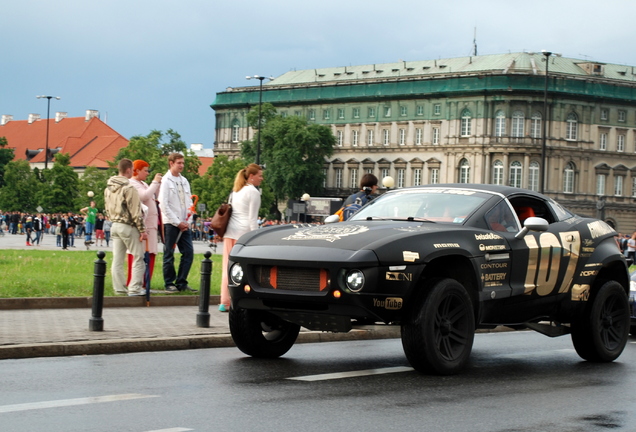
(388, 182)
(547, 55)
(260, 102)
(48, 110)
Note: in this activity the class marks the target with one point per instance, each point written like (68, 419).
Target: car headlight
(354, 280)
(236, 273)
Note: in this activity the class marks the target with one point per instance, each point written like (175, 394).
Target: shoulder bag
(221, 218)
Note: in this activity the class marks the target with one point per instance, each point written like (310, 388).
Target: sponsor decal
(446, 245)
(483, 247)
(390, 303)
(488, 277)
(489, 236)
(545, 259)
(587, 242)
(329, 233)
(588, 273)
(599, 228)
(397, 276)
(410, 256)
(587, 250)
(494, 266)
(580, 292)
(593, 265)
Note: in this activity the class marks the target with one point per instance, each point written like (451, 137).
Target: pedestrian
(67, 231)
(148, 197)
(91, 217)
(28, 227)
(246, 202)
(107, 227)
(175, 202)
(631, 247)
(58, 234)
(37, 229)
(353, 203)
(99, 230)
(129, 232)
(71, 223)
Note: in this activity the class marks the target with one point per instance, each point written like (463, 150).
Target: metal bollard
(203, 317)
(96, 323)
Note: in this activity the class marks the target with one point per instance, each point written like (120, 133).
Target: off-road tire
(261, 334)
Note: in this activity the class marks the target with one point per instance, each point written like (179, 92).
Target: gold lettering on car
(390, 303)
(545, 258)
(397, 276)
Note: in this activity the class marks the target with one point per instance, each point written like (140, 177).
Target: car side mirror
(533, 224)
(332, 219)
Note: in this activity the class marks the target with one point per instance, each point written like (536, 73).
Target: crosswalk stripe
(71, 402)
(341, 375)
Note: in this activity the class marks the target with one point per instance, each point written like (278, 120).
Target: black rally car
(440, 261)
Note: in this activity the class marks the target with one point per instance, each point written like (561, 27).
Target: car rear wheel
(601, 333)
(439, 337)
(261, 334)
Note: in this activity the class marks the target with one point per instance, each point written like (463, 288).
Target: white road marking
(536, 353)
(71, 402)
(341, 375)
(177, 429)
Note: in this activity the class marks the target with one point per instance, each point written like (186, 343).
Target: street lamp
(48, 109)
(547, 55)
(260, 102)
(388, 182)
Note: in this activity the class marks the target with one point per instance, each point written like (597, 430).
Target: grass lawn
(36, 273)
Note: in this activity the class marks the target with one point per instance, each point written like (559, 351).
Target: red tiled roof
(89, 143)
(206, 162)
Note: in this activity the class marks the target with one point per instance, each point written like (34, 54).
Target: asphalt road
(516, 382)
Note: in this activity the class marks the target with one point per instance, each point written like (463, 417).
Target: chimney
(196, 147)
(6, 118)
(33, 118)
(90, 114)
(59, 116)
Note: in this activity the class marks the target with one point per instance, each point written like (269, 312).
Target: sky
(157, 65)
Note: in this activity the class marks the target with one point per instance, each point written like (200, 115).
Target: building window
(600, 184)
(518, 120)
(387, 111)
(370, 137)
(312, 114)
(497, 173)
(283, 114)
(403, 110)
(354, 178)
(417, 177)
(298, 113)
(602, 143)
(568, 178)
(618, 185)
(341, 113)
(464, 171)
(466, 121)
(435, 135)
(418, 136)
(419, 110)
(437, 109)
(402, 136)
(236, 129)
(604, 114)
(622, 116)
(356, 113)
(434, 176)
(400, 178)
(516, 173)
(533, 176)
(326, 114)
(338, 178)
(386, 137)
(572, 127)
(500, 124)
(371, 112)
(384, 172)
(634, 186)
(369, 170)
(324, 177)
(620, 143)
(535, 125)
(340, 137)
(354, 138)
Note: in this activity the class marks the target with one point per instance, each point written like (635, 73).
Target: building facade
(474, 119)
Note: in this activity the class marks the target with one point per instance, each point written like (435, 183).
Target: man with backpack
(368, 186)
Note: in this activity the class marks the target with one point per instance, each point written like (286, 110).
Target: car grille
(292, 278)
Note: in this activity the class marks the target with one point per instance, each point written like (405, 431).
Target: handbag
(221, 218)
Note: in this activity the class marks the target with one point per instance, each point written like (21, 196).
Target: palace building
(478, 119)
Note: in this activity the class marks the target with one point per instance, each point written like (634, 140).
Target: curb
(87, 302)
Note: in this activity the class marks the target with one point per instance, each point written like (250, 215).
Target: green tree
(6, 156)
(21, 188)
(61, 187)
(94, 180)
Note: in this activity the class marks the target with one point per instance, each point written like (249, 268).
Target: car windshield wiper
(408, 219)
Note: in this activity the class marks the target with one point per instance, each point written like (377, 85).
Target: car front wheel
(260, 333)
(601, 333)
(439, 337)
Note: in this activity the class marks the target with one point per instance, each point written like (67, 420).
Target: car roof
(495, 189)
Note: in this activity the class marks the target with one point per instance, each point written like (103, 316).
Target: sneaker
(136, 294)
(223, 308)
(189, 288)
(171, 289)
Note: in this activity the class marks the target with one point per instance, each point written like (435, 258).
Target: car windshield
(435, 205)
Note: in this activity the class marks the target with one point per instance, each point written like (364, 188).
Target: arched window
(516, 171)
(464, 171)
(497, 172)
(568, 178)
(500, 124)
(535, 125)
(518, 119)
(572, 127)
(236, 128)
(466, 123)
(533, 176)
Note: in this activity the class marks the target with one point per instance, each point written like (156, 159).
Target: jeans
(180, 279)
(107, 237)
(89, 231)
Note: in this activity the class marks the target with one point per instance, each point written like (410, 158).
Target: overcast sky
(158, 64)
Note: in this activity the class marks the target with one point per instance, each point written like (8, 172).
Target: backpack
(359, 199)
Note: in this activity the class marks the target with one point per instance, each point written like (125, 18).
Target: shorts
(99, 234)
